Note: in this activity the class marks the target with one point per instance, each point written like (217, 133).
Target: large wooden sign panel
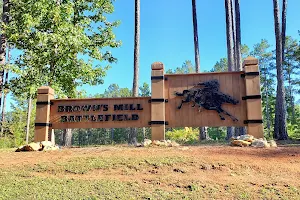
(100, 113)
(231, 84)
(177, 100)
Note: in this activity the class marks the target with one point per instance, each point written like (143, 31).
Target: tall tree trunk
(230, 49)
(280, 130)
(135, 88)
(28, 118)
(144, 133)
(5, 87)
(3, 113)
(284, 11)
(238, 36)
(112, 130)
(238, 52)
(267, 107)
(202, 132)
(233, 34)
(293, 110)
(3, 44)
(196, 42)
(67, 137)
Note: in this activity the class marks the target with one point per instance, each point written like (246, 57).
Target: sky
(167, 34)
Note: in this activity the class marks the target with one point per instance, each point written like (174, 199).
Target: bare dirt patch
(207, 172)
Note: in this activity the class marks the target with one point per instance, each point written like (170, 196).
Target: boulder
(260, 143)
(21, 148)
(32, 147)
(165, 143)
(273, 144)
(174, 144)
(46, 143)
(240, 143)
(50, 148)
(248, 138)
(146, 143)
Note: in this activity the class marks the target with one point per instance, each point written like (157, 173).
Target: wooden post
(253, 98)
(42, 119)
(157, 102)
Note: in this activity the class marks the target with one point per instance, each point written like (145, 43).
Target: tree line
(66, 44)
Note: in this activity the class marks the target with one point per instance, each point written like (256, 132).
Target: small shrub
(6, 142)
(185, 136)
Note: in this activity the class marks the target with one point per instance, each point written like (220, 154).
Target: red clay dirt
(209, 165)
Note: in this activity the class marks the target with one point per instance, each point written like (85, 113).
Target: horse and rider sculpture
(208, 97)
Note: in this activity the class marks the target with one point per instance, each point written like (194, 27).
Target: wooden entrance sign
(177, 100)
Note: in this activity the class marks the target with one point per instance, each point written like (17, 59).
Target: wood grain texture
(231, 84)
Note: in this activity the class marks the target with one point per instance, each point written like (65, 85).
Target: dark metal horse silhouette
(209, 97)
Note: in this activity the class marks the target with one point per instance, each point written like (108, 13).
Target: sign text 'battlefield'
(102, 113)
(218, 99)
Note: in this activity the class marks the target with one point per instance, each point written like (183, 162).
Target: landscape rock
(33, 147)
(21, 148)
(38, 146)
(240, 143)
(259, 143)
(248, 138)
(51, 148)
(165, 143)
(46, 143)
(175, 144)
(273, 144)
(147, 143)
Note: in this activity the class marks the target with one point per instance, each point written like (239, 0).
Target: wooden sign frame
(161, 109)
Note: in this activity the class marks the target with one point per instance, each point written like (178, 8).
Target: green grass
(83, 165)
(76, 178)
(23, 185)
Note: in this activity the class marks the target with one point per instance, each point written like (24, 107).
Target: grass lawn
(118, 172)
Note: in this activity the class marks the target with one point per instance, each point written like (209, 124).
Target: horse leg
(200, 109)
(179, 107)
(182, 102)
(219, 113)
(194, 104)
(231, 116)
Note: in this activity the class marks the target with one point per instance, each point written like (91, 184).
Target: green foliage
(294, 127)
(184, 136)
(220, 66)
(60, 43)
(115, 91)
(7, 142)
(15, 125)
(145, 90)
(186, 68)
(217, 133)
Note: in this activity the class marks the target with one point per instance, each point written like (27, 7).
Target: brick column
(42, 119)
(157, 102)
(253, 98)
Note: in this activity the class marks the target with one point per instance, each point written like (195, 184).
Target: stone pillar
(42, 119)
(253, 98)
(157, 102)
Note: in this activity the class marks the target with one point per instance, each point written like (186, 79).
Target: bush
(184, 136)
(7, 142)
(294, 131)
